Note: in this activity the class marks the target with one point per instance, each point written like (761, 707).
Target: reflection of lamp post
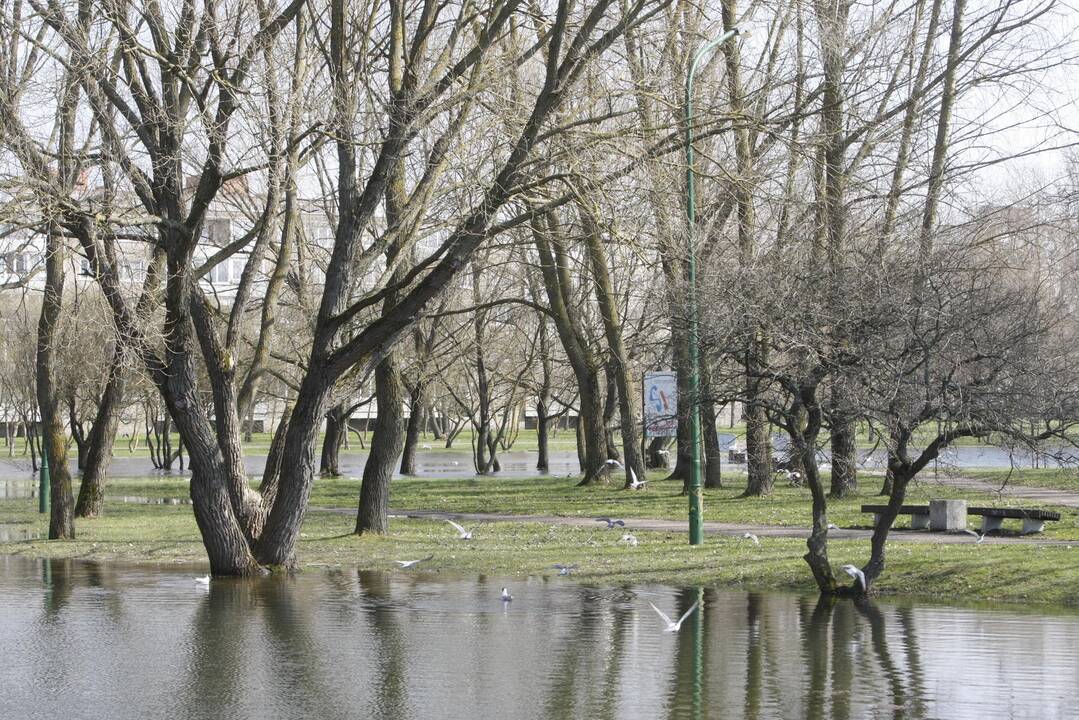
(696, 509)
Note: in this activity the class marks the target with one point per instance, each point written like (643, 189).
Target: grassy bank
(1055, 478)
(167, 534)
(786, 506)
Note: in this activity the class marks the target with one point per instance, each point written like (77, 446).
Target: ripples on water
(92, 640)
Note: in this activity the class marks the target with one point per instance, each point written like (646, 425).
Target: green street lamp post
(44, 489)
(696, 505)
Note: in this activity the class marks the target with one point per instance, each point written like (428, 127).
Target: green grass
(167, 534)
(1055, 478)
(788, 507)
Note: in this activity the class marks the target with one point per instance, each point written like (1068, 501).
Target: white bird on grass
(409, 563)
(793, 477)
(564, 569)
(425, 447)
(977, 535)
(671, 625)
(611, 522)
(754, 538)
(634, 483)
(833, 526)
(856, 574)
(462, 534)
(506, 597)
(629, 540)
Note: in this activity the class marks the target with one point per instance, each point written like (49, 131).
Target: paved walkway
(710, 528)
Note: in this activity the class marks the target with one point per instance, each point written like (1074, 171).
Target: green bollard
(44, 490)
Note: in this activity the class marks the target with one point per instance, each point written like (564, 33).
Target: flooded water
(91, 640)
(434, 463)
(517, 463)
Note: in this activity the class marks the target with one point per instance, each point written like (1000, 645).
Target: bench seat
(1033, 519)
(919, 514)
(992, 518)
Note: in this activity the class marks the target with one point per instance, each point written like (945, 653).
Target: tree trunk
(591, 433)
(618, 367)
(412, 430)
(386, 443)
(657, 454)
(683, 449)
(91, 501)
(543, 460)
(53, 440)
(713, 474)
(844, 460)
(336, 428)
(591, 429)
(875, 566)
(610, 405)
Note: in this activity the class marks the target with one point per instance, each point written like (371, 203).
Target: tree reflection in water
(833, 646)
(414, 645)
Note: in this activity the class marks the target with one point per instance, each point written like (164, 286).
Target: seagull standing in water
(409, 563)
(462, 534)
(611, 522)
(856, 574)
(671, 625)
(506, 597)
(204, 580)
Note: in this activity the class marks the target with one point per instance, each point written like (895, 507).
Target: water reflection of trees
(842, 682)
(816, 659)
(239, 667)
(345, 647)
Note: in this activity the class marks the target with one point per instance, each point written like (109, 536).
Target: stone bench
(952, 516)
(919, 514)
(1033, 520)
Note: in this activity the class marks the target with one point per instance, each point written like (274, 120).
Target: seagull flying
(612, 463)
(611, 522)
(425, 447)
(977, 535)
(754, 538)
(856, 574)
(671, 625)
(462, 534)
(564, 569)
(410, 563)
(506, 597)
(629, 540)
(634, 483)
